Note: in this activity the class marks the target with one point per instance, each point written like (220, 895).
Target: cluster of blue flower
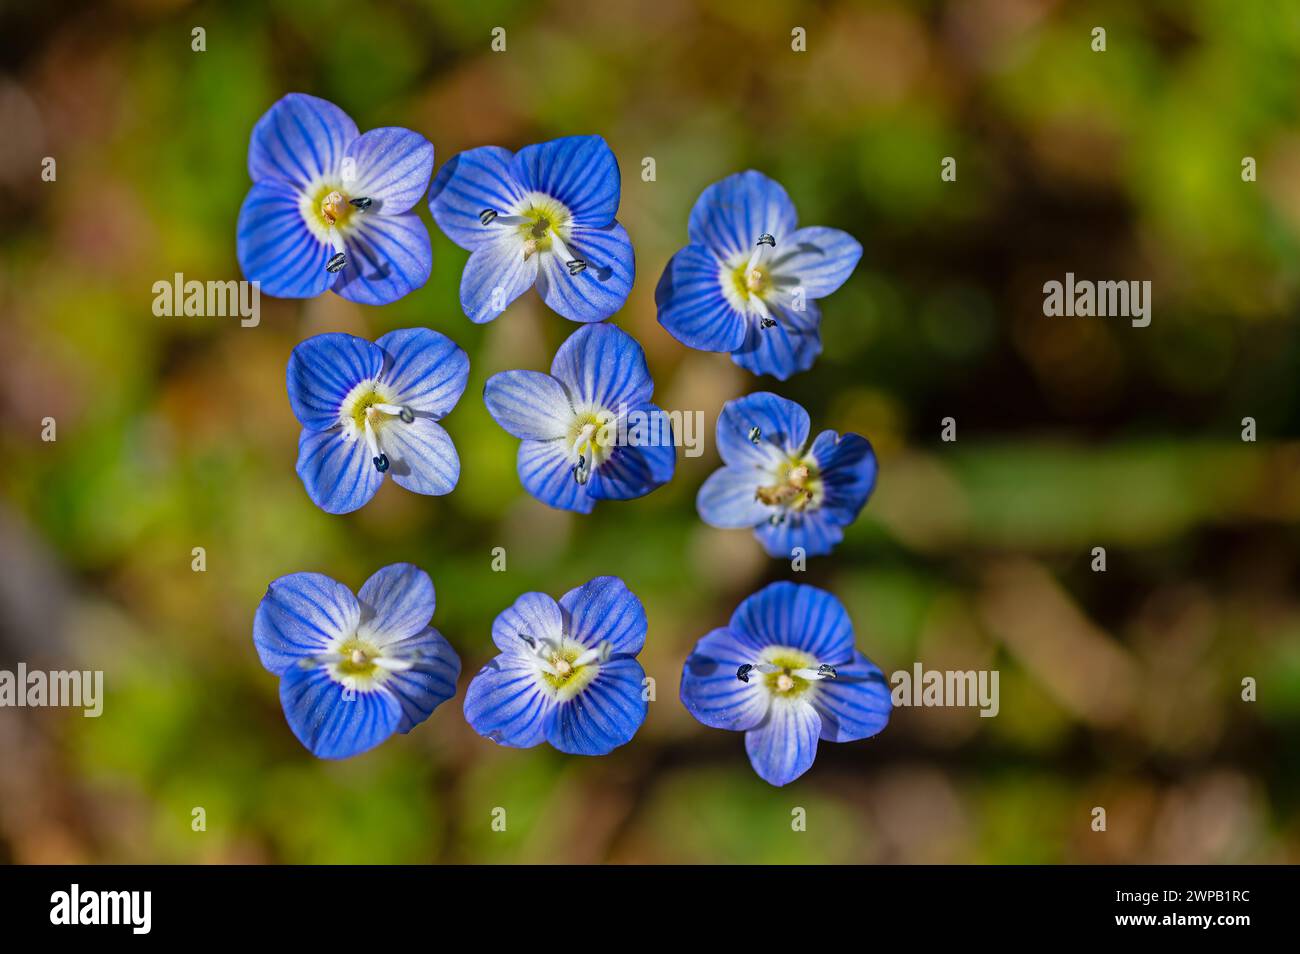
(331, 208)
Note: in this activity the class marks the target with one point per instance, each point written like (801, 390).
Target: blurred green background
(1119, 689)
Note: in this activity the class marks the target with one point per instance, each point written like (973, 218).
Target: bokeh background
(1119, 689)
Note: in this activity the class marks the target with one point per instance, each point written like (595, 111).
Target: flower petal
(730, 215)
(299, 139)
(692, 306)
(782, 429)
(602, 287)
(711, 690)
(396, 602)
(276, 248)
(785, 745)
(495, 275)
(427, 370)
(505, 703)
(471, 182)
(323, 370)
(546, 473)
(603, 365)
(848, 471)
(727, 499)
(855, 704)
(429, 682)
(388, 257)
(817, 259)
(421, 456)
(605, 714)
(300, 615)
(329, 723)
(631, 472)
(816, 532)
(781, 350)
(605, 609)
(337, 472)
(529, 404)
(392, 167)
(579, 171)
(533, 614)
(798, 616)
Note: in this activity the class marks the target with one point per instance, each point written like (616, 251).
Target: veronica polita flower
(544, 216)
(567, 672)
(748, 281)
(786, 673)
(791, 493)
(369, 411)
(330, 206)
(588, 431)
(354, 669)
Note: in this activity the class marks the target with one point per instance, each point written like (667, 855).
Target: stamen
(765, 241)
(362, 202)
(377, 457)
(755, 434)
(597, 654)
(821, 672)
(336, 263)
(489, 216)
(542, 652)
(572, 262)
(748, 669)
(765, 319)
(397, 410)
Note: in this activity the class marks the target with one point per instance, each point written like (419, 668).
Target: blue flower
(567, 672)
(369, 409)
(354, 669)
(543, 216)
(786, 673)
(330, 208)
(588, 429)
(749, 280)
(792, 495)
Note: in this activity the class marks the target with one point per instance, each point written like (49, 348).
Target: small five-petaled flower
(370, 409)
(354, 669)
(786, 673)
(567, 672)
(543, 216)
(588, 431)
(748, 281)
(330, 207)
(792, 495)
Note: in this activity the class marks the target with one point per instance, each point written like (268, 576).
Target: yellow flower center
(784, 682)
(329, 207)
(797, 486)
